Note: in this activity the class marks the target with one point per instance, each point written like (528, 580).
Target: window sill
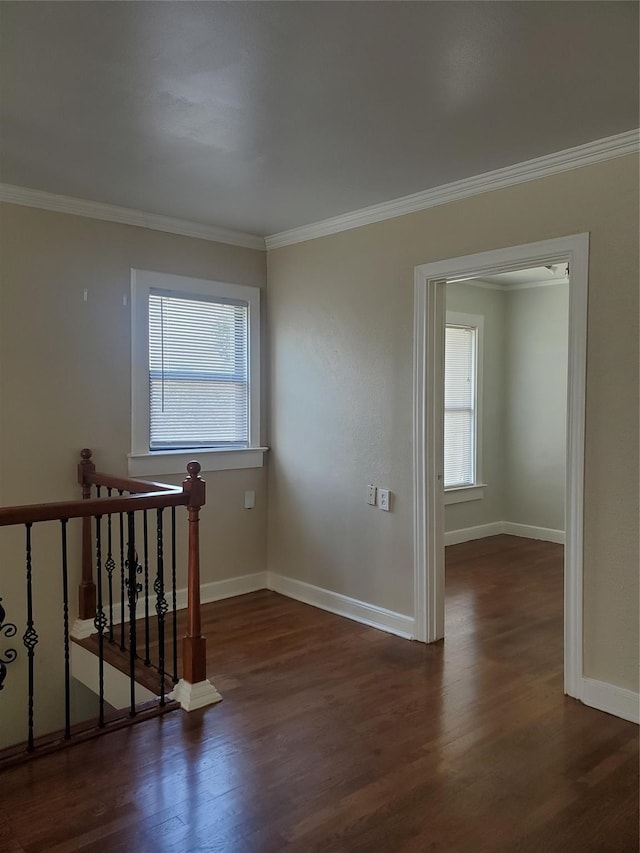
(464, 494)
(176, 461)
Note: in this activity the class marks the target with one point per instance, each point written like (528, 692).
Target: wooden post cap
(194, 468)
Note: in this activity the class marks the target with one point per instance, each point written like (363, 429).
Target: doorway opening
(431, 284)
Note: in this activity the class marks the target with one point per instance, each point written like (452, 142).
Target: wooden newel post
(87, 588)
(194, 645)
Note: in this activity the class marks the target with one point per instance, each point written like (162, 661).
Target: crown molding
(127, 216)
(551, 164)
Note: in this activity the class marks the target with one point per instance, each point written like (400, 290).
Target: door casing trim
(428, 357)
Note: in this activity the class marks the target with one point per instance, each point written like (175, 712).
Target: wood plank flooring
(336, 737)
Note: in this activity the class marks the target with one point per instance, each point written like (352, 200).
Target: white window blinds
(459, 406)
(198, 372)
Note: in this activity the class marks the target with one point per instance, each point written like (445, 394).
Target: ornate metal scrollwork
(100, 621)
(138, 571)
(110, 564)
(30, 638)
(8, 629)
(161, 602)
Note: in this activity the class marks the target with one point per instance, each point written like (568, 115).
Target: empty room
(319, 426)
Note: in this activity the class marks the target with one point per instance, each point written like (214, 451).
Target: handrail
(126, 484)
(58, 510)
(88, 476)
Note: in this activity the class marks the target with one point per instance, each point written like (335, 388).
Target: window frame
(475, 490)
(143, 461)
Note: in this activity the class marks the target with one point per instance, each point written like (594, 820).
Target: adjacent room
(319, 426)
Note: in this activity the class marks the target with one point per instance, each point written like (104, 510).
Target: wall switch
(384, 499)
(371, 495)
(249, 500)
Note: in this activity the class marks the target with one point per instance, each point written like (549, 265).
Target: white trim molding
(529, 531)
(194, 696)
(540, 167)
(470, 534)
(324, 599)
(343, 605)
(127, 216)
(175, 462)
(212, 591)
(428, 454)
(495, 528)
(612, 699)
(428, 418)
(217, 590)
(464, 494)
(561, 161)
(82, 628)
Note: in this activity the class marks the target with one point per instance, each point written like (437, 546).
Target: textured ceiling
(265, 116)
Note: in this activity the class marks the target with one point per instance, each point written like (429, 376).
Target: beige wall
(536, 356)
(340, 330)
(65, 380)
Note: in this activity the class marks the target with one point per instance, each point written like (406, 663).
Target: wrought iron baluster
(30, 638)
(145, 534)
(122, 585)
(9, 630)
(65, 610)
(133, 588)
(110, 565)
(161, 603)
(100, 621)
(174, 603)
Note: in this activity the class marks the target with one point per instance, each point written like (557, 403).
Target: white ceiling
(554, 273)
(264, 116)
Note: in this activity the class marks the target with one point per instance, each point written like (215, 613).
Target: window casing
(195, 374)
(462, 407)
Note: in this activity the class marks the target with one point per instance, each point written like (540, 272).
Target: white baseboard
(217, 590)
(528, 531)
(343, 605)
(213, 591)
(467, 534)
(325, 599)
(482, 531)
(611, 699)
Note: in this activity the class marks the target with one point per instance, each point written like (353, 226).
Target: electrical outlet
(371, 495)
(384, 499)
(249, 499)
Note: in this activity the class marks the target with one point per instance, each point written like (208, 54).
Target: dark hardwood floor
(336, 737)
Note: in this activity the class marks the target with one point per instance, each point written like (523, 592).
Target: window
(195, 374)
(462, 398)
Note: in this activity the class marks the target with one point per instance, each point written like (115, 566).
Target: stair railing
(111, 526)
